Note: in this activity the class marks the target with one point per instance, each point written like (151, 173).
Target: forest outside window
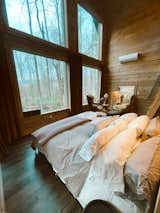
(89, 32)
(91, 83)
(43, 82)
(41, 18)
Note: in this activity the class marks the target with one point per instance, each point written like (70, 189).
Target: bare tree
(19, 64)
(34, 57)
(43, 36)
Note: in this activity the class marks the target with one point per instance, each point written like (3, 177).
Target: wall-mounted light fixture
(129, 57)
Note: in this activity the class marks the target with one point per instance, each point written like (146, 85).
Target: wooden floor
(30, 185)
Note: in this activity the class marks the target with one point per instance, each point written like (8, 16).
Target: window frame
(21, 41)
(67, 84)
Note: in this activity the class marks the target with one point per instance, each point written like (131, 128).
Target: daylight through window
(89, 31)
(91, 83)
(43, 82)
(40, 18)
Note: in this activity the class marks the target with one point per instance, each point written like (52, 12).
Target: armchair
(96, 106)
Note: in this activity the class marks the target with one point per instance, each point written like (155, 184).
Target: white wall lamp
(129, 58)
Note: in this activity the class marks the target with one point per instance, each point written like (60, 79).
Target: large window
(43, 82)
(42, 18)
(89, 31)
(91, 83)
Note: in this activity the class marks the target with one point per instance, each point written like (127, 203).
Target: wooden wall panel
(9, 118)
(135, 28)
(32, 123)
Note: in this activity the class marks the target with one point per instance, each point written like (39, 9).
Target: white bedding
(106, 172)
(100, 178)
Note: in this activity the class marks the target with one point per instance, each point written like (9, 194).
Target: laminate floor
(31, 186)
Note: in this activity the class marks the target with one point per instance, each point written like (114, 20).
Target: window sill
(54, 111)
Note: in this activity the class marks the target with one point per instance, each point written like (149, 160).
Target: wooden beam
(10, 122)
(72, 20)
(27, 43)
(95, 8)
(91, 62)
(76, 83)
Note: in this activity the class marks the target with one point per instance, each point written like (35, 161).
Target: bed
(101, 158)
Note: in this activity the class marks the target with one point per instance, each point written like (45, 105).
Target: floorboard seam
(2, 202)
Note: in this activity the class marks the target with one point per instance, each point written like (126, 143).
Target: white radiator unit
(128, 58)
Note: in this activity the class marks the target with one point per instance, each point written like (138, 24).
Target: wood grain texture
(9, 118)
(135, 28)
(31, 186)
(33, 123)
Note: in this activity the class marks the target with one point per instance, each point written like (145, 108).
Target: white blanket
(100, 178)
(106, 172)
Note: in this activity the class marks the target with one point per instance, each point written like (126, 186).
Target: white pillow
(128, 117)
(140, 123)
(153, 128)
(106, 122)
(121, 147)
(142, 170)
(99, 139)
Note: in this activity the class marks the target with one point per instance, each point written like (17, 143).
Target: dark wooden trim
(3, 20)
(91, 62)
(10, 119)
(25, 42)
(34, 122)
(31, 113)
(72, 20)
(14, 81)
(90, 9)
(76, 83)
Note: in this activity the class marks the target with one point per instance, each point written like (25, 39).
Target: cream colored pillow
(153, 128)
(142, 170)
(128, 117)
(140, 123)
(99, 139)
(106, 122)
(121, 146)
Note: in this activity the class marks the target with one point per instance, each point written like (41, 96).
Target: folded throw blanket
(44, 134)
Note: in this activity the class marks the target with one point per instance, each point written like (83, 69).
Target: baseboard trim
(2, 202)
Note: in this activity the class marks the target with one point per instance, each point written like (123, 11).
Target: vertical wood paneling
(136, 28)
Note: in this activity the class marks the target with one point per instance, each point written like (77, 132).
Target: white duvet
(102, 176)
(106, 177)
